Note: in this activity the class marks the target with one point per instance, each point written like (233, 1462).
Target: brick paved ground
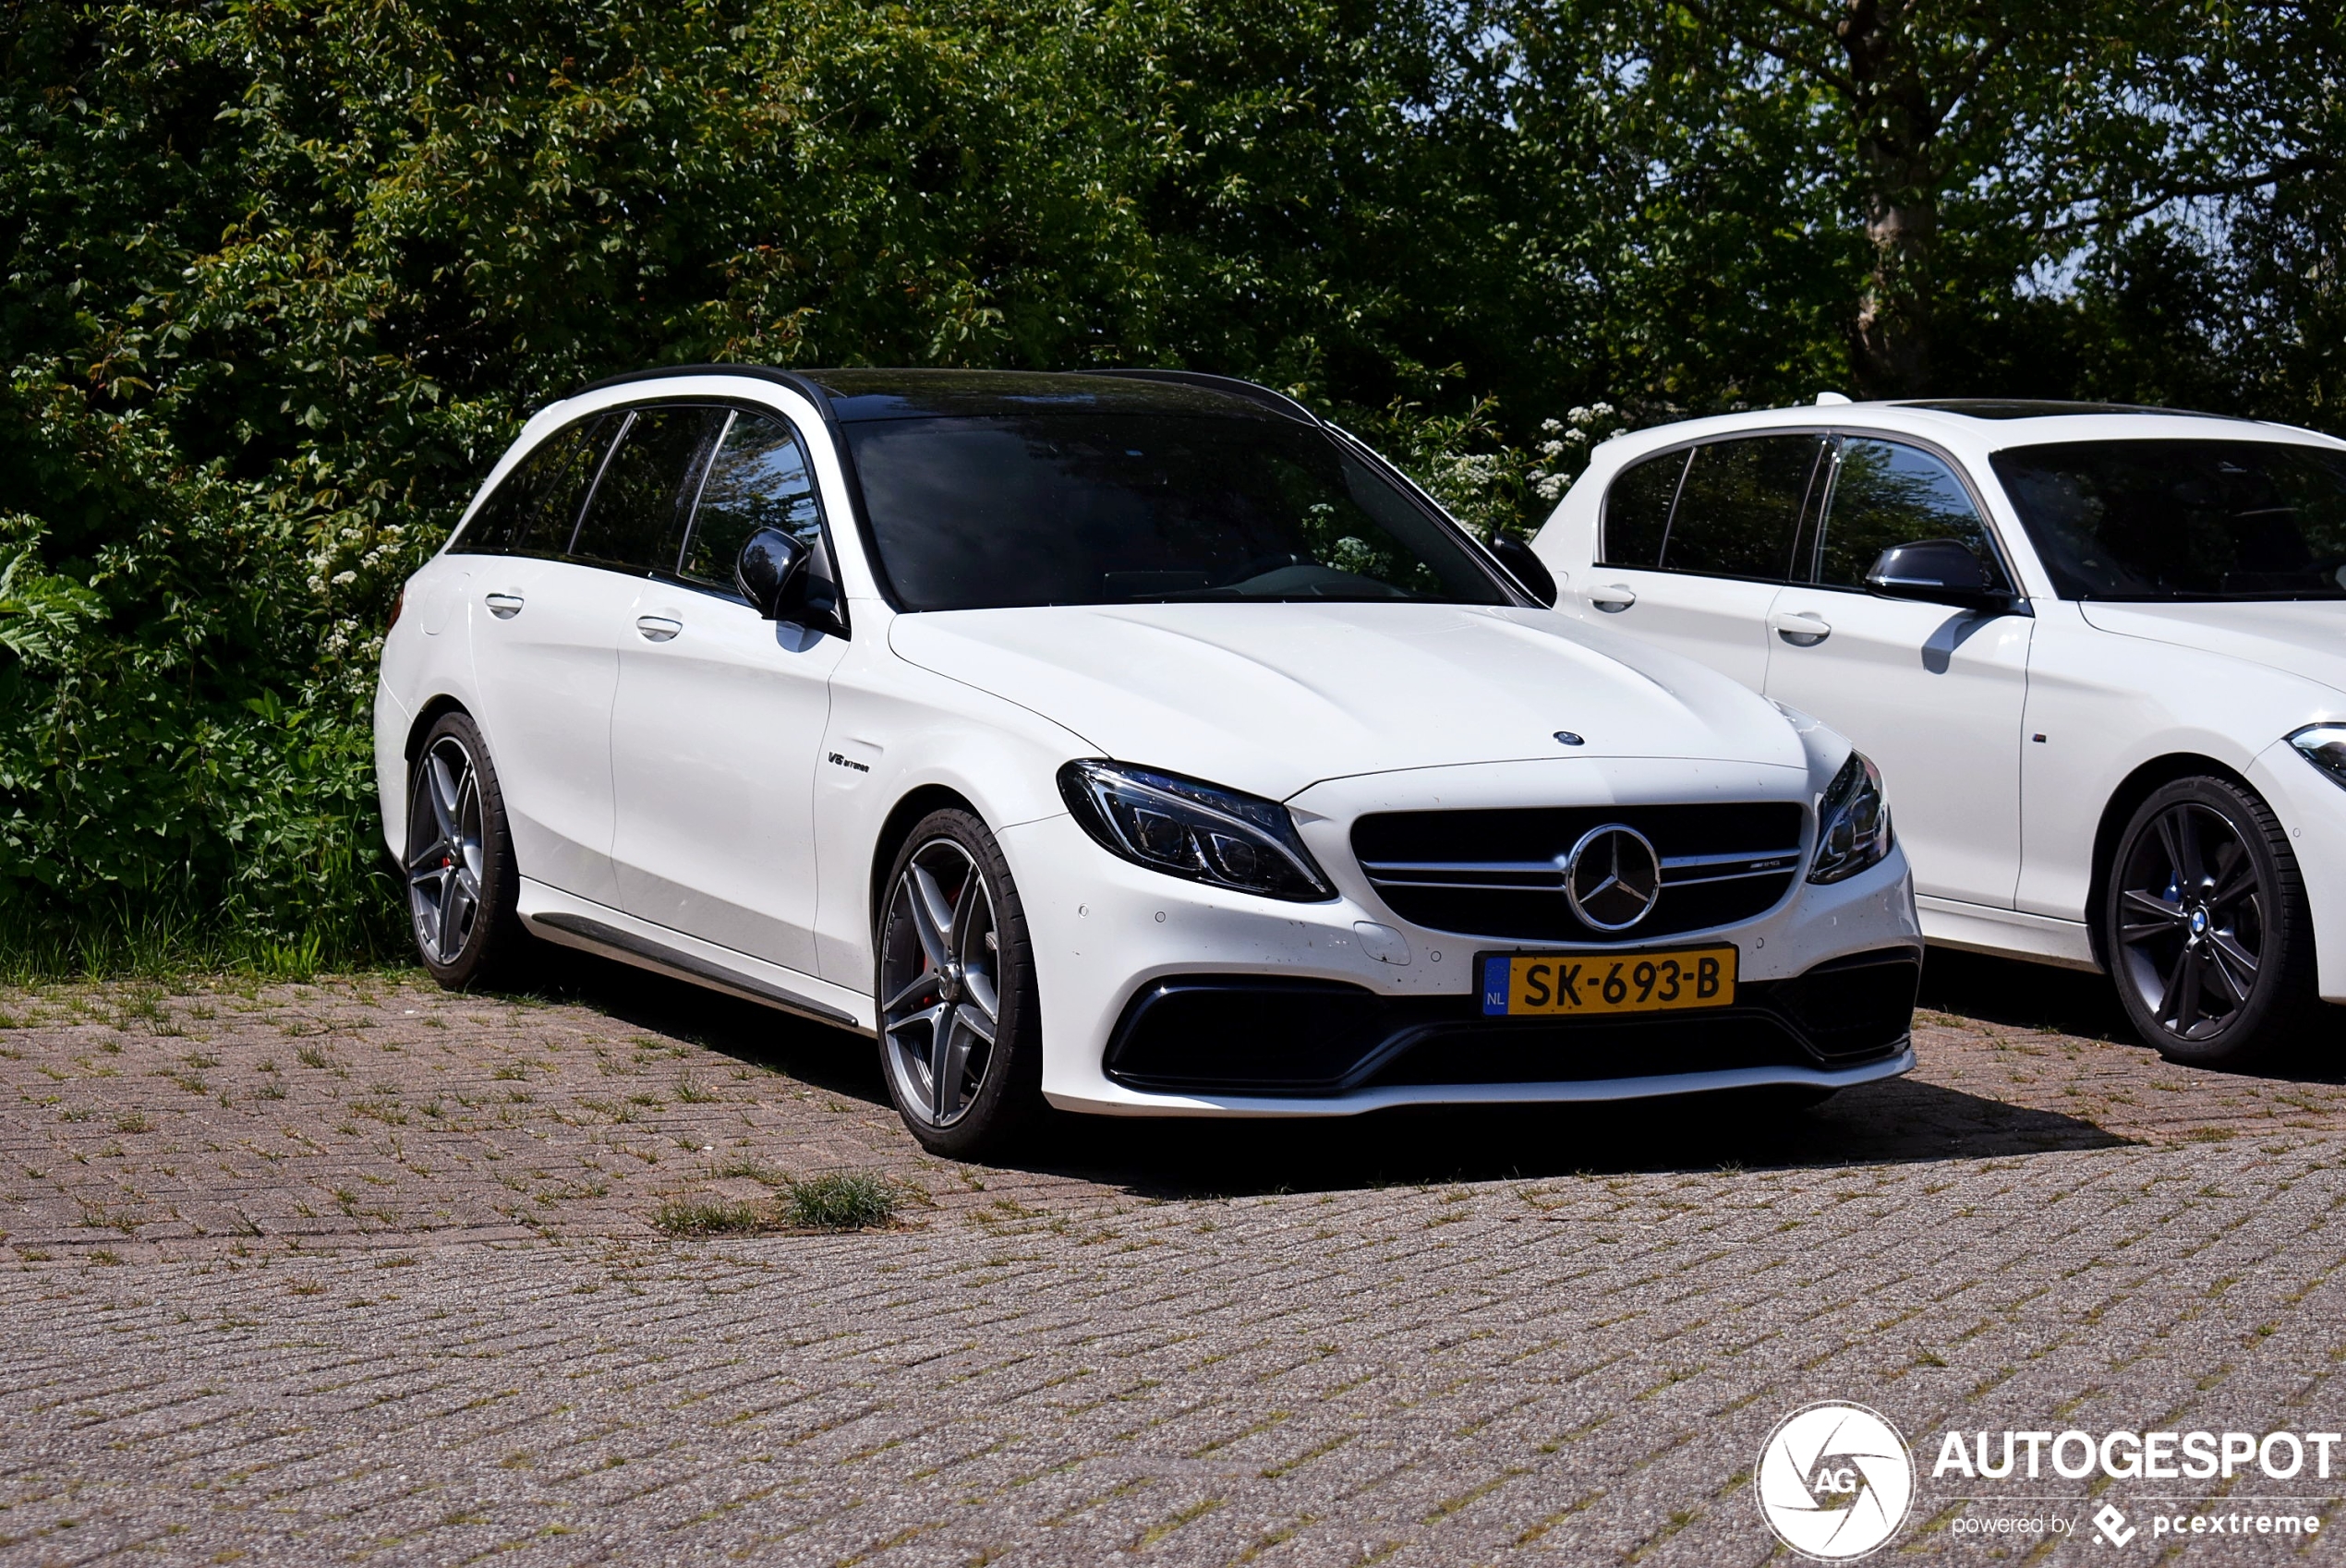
(360, 1270)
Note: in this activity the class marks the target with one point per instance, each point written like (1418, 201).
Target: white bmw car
(2099, 653)
(1136, 744)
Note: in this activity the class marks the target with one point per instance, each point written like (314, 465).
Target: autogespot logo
(1834, 1481)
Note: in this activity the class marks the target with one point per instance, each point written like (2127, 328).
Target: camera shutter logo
(1612, 877)
(1834, 1481)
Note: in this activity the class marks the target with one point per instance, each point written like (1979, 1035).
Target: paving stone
(357, 1270)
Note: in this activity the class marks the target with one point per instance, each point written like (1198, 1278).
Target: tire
(961, 1033)
(462, 884)
(2205, 928)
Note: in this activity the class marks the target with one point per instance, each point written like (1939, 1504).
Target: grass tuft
(851, 1200)
(842, 1200)
(696, 1217)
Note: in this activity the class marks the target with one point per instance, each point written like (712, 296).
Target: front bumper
(1106, 935)
(2312, 811)
(1256, 1036)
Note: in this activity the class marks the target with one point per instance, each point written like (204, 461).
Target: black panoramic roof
(2038, 408)
(855, 395)
(858, 395)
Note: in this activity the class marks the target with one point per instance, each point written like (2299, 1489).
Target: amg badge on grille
(1612, 877)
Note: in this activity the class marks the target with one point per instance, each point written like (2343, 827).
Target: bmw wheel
(460, 882)
(2205, 928)
(960, 1039)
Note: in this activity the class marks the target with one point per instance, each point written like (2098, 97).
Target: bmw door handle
(1802, 629)
(504, 607)
(1612, 597)
(658, 628)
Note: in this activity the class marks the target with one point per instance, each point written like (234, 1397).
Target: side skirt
(573, 922)
(2006, 933)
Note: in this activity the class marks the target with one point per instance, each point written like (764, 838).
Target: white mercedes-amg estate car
(2099, 652)
(1132, 743)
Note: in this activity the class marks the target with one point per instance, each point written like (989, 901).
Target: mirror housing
(770, 570)
(1526, 568)
(1936, 572)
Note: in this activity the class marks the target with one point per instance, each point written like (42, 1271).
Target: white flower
(343, 579)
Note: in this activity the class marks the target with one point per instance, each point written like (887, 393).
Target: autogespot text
(2127, 1456)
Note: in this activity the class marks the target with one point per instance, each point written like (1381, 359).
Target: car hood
(1270, 698)
(2302, 637)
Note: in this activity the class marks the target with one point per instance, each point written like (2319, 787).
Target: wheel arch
(898, 827)
(2137, 787)
(411, 746)
(426, 716)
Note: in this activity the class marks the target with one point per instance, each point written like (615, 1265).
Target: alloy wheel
(939, 983)
(2191, 920)
(445, 856)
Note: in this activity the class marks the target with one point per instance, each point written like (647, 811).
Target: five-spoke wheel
(955, 988)
(2206, 927)
(459, 862)
(444, 849)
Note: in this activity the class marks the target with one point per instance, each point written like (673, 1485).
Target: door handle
(1801, 628)
(504, 607)
(1613, 599)
(658, 628)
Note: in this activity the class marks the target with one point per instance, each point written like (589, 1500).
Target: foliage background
(282, 276)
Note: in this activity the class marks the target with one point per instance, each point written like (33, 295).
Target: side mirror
(768, 569)
(1936, 572)
(1526, 568)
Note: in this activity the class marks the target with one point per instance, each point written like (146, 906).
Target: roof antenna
(1830, 400)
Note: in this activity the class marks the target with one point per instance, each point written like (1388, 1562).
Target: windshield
(1108, 508)
(2184, 520)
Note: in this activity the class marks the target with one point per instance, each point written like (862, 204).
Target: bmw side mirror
(1936, 572)
(1526, 568)
(768, 569)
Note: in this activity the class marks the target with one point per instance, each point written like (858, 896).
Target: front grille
(1500, 873)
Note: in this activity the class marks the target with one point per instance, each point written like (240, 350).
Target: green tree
(1890, 172)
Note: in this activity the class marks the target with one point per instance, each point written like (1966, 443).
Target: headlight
(1185, 828)
(1853, 821)
(2324, 745)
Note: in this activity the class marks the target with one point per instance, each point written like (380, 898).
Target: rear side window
(637, 514)
(758, 479)
(533, 510)
(1740, 506)
(1886, 494)
(1636, 511)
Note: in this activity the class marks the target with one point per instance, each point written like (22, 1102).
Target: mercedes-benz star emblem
(1612, 877)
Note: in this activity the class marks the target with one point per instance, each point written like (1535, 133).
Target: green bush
(282, 278)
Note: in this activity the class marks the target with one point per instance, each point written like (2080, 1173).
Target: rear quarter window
(1636, 511)
(534, 509)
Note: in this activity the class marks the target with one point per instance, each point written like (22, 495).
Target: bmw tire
(2205, 928)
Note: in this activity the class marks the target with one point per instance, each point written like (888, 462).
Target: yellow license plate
(1584, 984)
